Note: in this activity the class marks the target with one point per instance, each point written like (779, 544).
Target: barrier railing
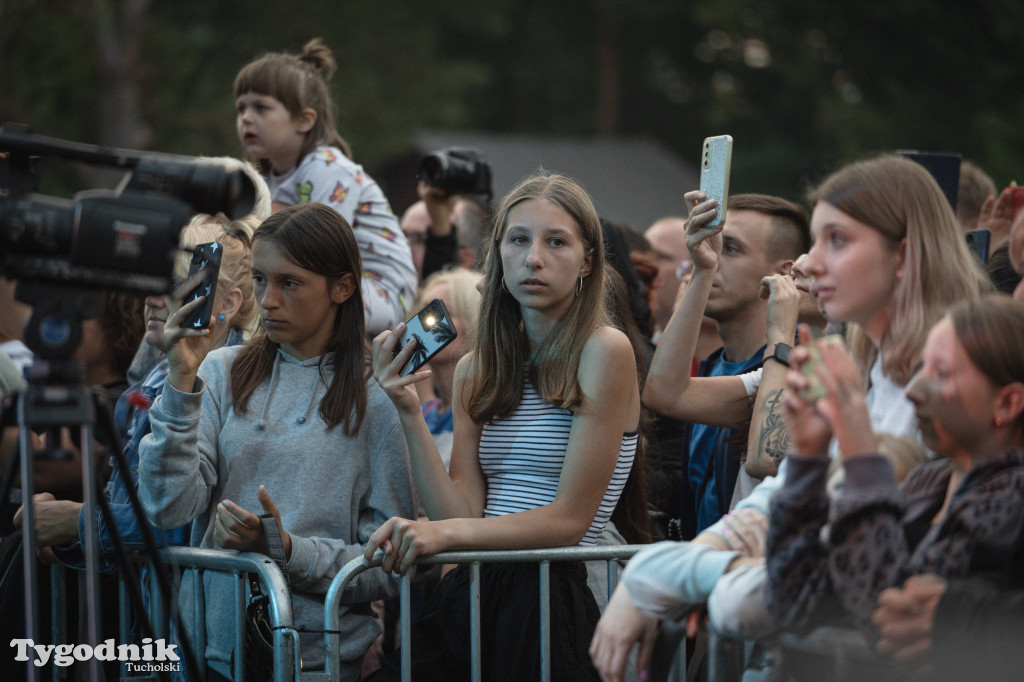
(830, 652)
(286, 658)
(543, 557)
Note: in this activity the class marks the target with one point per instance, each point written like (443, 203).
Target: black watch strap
(778, 352)
(275, 542)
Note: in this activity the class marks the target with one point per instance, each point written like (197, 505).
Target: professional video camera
(457, 171)
(64, 251)
(124, 239)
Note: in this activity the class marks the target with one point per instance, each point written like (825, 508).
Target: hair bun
(319, 56)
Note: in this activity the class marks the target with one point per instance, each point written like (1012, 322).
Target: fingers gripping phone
(205, 257)
(715, 166)
(433, 329)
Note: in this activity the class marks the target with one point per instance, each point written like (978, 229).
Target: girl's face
(953, 400)
(854, 268)
(296, 305)
(543, 257)
(268, 130)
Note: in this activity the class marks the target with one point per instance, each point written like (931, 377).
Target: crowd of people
(810, 418)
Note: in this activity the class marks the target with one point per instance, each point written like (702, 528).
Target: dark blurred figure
(975, 187)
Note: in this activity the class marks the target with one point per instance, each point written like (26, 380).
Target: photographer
(455, 191)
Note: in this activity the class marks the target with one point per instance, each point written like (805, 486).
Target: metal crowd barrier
(286, 657)
(827, 653)
(286, 661)
(542, 557)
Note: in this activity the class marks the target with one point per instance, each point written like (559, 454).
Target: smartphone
(815, 390)
(205, 257)
(944, 167)
(715, 165)
(433, 329)
(979, 240)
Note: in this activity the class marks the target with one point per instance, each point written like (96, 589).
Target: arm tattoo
(774, 438)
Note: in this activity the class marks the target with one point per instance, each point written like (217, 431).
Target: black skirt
(509, 626)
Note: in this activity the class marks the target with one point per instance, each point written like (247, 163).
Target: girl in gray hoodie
(289, 425)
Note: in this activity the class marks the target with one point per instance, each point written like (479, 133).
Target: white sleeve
(737, 606)
(668, 578)
(751, 382)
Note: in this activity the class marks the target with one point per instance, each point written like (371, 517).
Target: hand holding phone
(715, 167)
(205, 257)
(433, 329)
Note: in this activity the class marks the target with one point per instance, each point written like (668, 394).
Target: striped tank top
(522, 455)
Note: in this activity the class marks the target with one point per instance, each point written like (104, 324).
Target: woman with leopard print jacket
(956, 515)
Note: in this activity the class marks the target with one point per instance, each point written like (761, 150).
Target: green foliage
(801, 85)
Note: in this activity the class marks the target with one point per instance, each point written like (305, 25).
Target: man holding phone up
(761, 236)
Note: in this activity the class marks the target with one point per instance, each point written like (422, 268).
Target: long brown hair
(298, 82)
(631, 515)
(901, 200)
(502, 348)
(318, 239)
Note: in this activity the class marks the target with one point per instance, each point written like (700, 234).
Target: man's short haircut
(975, 187)
(791, 233)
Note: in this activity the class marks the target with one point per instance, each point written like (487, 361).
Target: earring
(579, 286)
(503, 284)
(999, 422)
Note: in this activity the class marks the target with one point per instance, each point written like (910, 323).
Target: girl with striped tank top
(546, 415)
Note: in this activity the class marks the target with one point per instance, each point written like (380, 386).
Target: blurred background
(801, 85)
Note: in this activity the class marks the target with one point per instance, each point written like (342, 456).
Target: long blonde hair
(901, 200)
(502, 349)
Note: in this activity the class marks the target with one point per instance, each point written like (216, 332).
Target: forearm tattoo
(774, 438)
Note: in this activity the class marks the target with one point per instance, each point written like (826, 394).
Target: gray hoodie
(332, 491)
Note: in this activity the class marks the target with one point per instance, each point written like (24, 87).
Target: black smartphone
(979, 241)
(944, 167)
(205, 257)
(433, 329)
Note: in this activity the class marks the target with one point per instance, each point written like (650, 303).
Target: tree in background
(801, 85)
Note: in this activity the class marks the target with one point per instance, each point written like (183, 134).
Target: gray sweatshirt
(332, 491)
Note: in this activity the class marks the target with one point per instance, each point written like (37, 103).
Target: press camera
(457, 171)
(63, 251)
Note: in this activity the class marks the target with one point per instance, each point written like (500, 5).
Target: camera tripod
(56, 398)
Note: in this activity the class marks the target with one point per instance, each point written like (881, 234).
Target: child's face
(267, 130)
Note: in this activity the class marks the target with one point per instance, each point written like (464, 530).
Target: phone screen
(433, 329)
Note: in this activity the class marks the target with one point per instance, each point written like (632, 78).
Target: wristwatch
(778, 352)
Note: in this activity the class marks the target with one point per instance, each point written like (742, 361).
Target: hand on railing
(622, 626)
